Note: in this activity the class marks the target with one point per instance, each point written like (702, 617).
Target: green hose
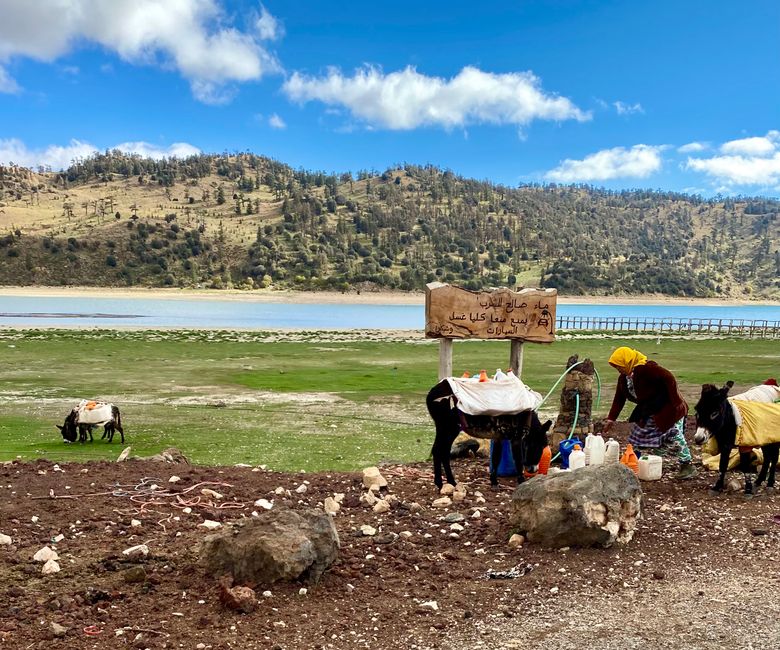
(555, 385)
(573, 424)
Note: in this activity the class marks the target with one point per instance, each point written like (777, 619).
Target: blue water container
(565, 448)
(507, 465)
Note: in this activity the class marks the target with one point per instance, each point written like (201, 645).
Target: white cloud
(15, 151)
(640, 161)
(188, 35)
(747, 161)
(693, 147)
(756, 146)
(739, 170)
(146, 150)
(628, 109)
(276, 122)
(407, 99)
(7, 84)
(268, 27)
(61, 157)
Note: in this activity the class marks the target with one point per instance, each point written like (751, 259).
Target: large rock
(278, 544)
(591, 506)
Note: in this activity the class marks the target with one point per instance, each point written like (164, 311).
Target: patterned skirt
(650, 436)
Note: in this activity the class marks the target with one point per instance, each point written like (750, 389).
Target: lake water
(229, 314)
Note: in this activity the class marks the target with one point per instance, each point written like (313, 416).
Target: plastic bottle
(499, 374)
(588, 444)
(650, 468)
(565, 448)
(544, 462)
(597, 450)
(483, 375)
(576, 458)
(466, 375)
(630, 460)
(612, 452)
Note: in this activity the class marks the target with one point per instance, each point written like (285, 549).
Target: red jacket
(656, 395)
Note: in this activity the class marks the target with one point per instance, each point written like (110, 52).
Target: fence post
(516, 357)
(445, 358)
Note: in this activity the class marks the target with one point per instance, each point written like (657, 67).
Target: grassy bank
(315, 401)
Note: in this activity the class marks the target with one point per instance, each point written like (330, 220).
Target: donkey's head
(533, 441)
(711, 411)
(68, 429)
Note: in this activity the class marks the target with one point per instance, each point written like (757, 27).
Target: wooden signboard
(527, 315)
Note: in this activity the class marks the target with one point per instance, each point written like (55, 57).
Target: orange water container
(630, 460)
(483, 375)
(544, 463)
(466, 375)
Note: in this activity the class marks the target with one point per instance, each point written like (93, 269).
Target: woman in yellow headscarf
(658, 420)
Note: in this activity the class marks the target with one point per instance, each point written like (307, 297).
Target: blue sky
(665, 95)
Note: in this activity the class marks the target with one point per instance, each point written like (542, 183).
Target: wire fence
(705, 326)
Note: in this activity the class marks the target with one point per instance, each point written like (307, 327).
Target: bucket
(507, 465)
(650, 468)
(565, 448)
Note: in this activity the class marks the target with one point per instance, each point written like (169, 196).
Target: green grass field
(312, 404)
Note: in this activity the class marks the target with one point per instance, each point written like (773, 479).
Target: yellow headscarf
(626, 359)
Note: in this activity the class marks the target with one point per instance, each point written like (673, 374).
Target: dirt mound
(700, 572)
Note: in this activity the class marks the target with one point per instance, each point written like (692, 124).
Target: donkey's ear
(727, 387)
(59, 426)
(546, 426)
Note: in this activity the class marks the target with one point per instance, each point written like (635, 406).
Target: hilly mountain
(246, 221)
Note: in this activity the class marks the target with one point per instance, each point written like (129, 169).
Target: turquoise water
(228, 314)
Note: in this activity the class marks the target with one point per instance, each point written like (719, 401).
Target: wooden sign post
(454, 313)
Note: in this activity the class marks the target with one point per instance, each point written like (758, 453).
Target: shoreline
(333, 297)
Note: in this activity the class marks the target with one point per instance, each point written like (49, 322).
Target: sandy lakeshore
(333, 297)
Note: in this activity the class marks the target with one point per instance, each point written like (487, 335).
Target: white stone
(174, 479)
(142, 550)
(5, 540)
(431, 604)
(476, 515)
(58, 538)
(372, 476)
(208, 524)
(456, 527)
(302, 488)
(447, 489)
(381, 506)
(368, 498)
(265, 504)
(123, 456)
(135, 523)
(187, 510)
(211, 493)
(45, 554)
(50, 567)
(267, 594)
(331, 506)
(303, 591)
(406, 534)
(34, 519)
(368, 531)
(339, 497)
(516, 541)
(279, 490)
(443, 502)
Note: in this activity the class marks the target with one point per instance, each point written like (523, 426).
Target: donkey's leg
(764, 465)
(773, 452)
(746, 466)
(723, 466)
(517, 455)
(495, 460)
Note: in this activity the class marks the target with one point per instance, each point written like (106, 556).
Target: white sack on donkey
(87, 415)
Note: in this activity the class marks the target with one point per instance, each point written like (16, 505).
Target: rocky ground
(701, 572)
